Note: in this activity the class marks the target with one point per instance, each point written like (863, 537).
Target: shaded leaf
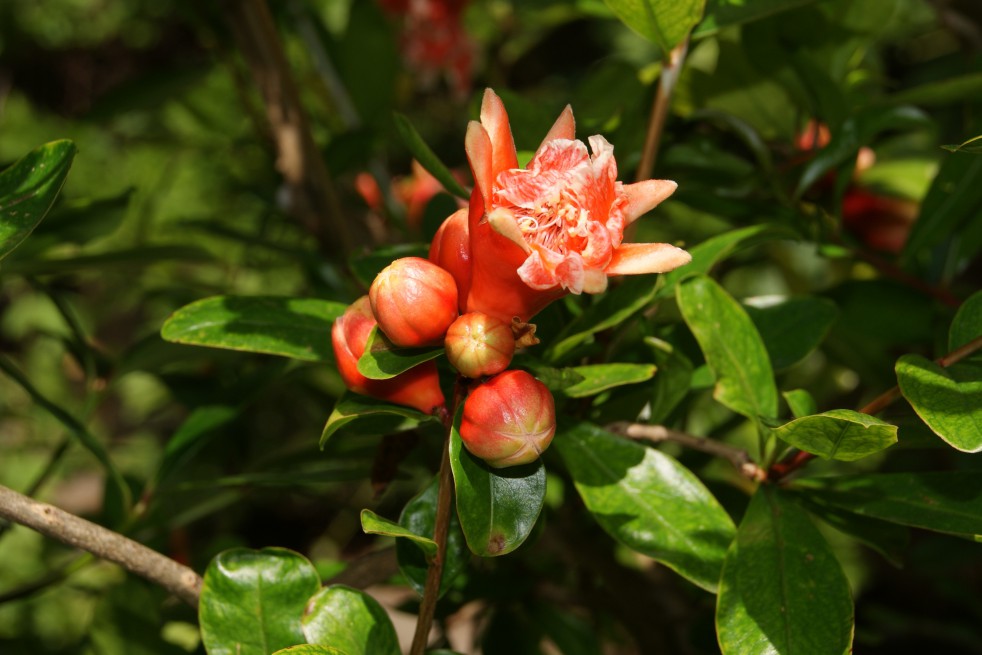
(419, 517)
(252, 601)
(648, 501)
(967, 326)
(973, 145)
(951, 204)
(136, 257)
(366, 266)
(351, 621)
(28, 189)
(840, 434)
(354, 407)
(940, 92)
(192, 435)
(299, 328)
(800, 402)
(732, 346)
(725, 13)
(372, 523)
(888, 539)
(673, 381)
(307, 649)
(792, 328)
(782, 589)
(427, 158)
(951, 408)
(600, 377)
(383, 360)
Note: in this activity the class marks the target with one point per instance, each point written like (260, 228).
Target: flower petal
(494, 118)
(642, 197)
(638, 258)
(503, 222)
(563, 128)
(477, 144)
(537, 273)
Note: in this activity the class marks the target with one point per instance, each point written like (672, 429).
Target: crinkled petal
(477, 144)
(494, 118)
(598, 249)
(559, 155)
(563, 128)
(570, 273)
(594, 281)
(639, 258)
(642, 197)
(537, 272)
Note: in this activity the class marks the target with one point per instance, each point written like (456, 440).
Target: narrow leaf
(372, 523)
(419, 517)
(497, 507)
(951, 408)
(383, 360)
(307, 649)
(732, 346)
(252, 601)
(600, 377)
(299, 328)
(28, 189)
(427, 158)
(648, 501)
(840, 434)
(973, 145)
(782, 590)
(350, 620)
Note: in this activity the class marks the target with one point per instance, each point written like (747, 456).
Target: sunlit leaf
(951, 408)
(840, 434)
(973, 145)
(600, 377)
(383, 360)
(372, 523)
(351, 621)
(354, 407)
(663, 22)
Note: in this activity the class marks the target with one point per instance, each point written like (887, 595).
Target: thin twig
(659, 110)
(659, 433)
(106, 544)
(444, 503)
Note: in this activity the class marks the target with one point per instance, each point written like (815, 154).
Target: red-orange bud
(478, 345)
(509, 419)
(418, 387)
(414, 301)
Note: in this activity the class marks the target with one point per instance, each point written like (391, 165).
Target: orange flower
(555, 227)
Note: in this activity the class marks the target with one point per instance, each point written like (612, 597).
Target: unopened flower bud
(418, 387)
(414, 301)
(508, 420)
(478, 345)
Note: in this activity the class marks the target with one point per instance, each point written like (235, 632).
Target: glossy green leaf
(710, 252)
(556, 379)
(299, 328)
(732, 346)
(973, 145)
(782, 590)
(353, 407)
(372, 523)
(351, 621)
(792, 328)
(601, 377)
(29, 188)
(944, 502)
(663, 22)
(419, 517)
(252, 601)
(673, 381)
(888, 539)
(967, 326)
(427, 158)
(307, 649)
(497, 507)
(951, 408)
(725, 13)
(383, 360)
(648, 501)
(800, 402)
(840, 434)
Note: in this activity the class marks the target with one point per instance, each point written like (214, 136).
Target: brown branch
(671, 68)
(659, 433)
(313, 199)
(106, 544)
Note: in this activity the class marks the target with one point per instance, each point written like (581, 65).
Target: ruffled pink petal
(639, 258)
(594, 281)
(570, 273)
(522, 187)
(642, 197)
(537, 272)
(494, 118)
(599, 249)
(559, 155)
(563, 128)
(477, 144)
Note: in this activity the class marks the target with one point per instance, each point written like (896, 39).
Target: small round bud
(478, 345)
(508, 420)
(418, 387)
(414, 301)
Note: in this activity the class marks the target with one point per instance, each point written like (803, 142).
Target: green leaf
(497, 507)
(192, 435)
(351, 621)
(940, 92)
(888, 539)
(28, 189)
(951, 408)
(307, 649)
(663, 22)
(252, 601)
(648, 501)
(951, 204)
(299, 328)
(726, 13)
(556, 379)
(137, 257)
(967, 326)
(840, 434)
(792, 328)
(944, 502)
(383, 360)
(973, 145)
(427, 158)
(354, 407)
(600, 377)
(732, 346)
(782, 590)
(800, 402)
(673, 381)
(419, 517)
(372, 523)
(713, 250)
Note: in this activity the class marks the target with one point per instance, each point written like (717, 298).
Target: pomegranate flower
(555, 227)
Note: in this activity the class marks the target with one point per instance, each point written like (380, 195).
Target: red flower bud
(478, 345)
(414, 301)
(418, 387)
(509, 419)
